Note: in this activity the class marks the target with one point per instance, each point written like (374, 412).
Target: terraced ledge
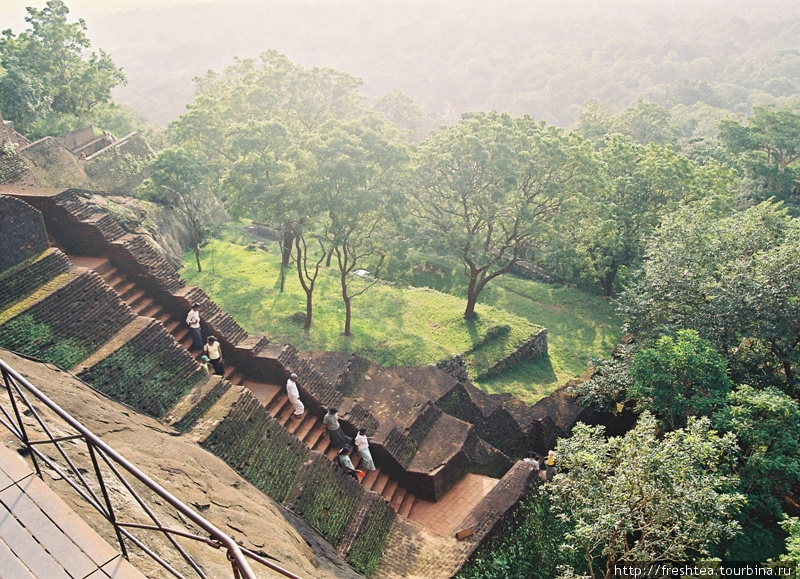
(43, 292)
(217, 413)
(126, 334)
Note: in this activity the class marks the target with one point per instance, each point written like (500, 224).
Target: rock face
(194, 475)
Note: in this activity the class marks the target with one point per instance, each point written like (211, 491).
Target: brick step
(397, 498)
(389, 489)
(295, 424)
(370, 478)
(237, 379)
(331, 451)
(170, 324)
(152, 312)
(110, 273)
(121, 285)
(322, 443)
(285, 414)
(307, 425)
(404, 510)
(142, 305)
(312, 436)
(380, 483)
(278, 403)
(264, 393)
(131, 296)
(229, 371)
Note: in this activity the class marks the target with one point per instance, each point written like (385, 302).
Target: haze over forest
(539, 58)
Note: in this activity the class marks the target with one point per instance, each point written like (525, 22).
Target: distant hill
(527, 57)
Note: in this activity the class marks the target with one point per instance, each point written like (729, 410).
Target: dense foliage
(49, 85)
(676, 205)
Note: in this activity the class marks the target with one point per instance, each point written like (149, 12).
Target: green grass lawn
(398, 325)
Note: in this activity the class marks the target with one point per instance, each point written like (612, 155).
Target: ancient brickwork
(150, 262)
(258, 447)
(411, 551)
(314, 383)
(366, 536)
(189, 419)
(76, 139)
(23, 279)
(531, 348)
(328, 499)
(53, 165)
(220, 323)
(121, 167)
(23, 232)
(64, 326)
(13, 168)
(404, 446)
(150, 373)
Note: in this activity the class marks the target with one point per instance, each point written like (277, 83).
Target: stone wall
(13, 168)
(76, 139)
(533, 346)
(121, 167)
(53, 165)
(23, 230)
(414, 552)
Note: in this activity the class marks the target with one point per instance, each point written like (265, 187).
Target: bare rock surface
(186, 470)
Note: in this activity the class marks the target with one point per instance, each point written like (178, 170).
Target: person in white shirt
(294, 396)
(362, 444)
(193, 320)
(214, 352)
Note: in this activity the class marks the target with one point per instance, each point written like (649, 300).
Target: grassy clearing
(396, 324)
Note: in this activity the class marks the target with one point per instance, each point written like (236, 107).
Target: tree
(255, 120)
(355, 187)
(770, 148)
(767, 426)
(678, 378)
(640, 185)
(487, 188)
(641, 498)
(183, 180)
(48, 79)
(734, 280)
(401, 110)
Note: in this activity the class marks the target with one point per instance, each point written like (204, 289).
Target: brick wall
(78, 138)
(24, 234)
(120, 167)
(534, 346)
(21, 280)
(53, 165)
(66, 325)
(150, 372)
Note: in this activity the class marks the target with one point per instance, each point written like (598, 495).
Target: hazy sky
(12, 12)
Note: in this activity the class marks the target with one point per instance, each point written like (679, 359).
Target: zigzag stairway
(126, 337)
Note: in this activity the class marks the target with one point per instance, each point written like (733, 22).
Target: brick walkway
(445, 516)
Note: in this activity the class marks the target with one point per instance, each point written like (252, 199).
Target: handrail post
(21, 424)
(111, 516)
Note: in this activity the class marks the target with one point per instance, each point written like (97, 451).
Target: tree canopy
(49, 84)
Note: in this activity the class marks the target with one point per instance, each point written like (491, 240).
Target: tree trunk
(608, 282)
(347, 317)
(309, 310)
(197, 256)
(345, 299)
(286, 256)
(472, 297)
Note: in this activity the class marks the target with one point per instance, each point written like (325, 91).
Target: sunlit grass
(396, 324)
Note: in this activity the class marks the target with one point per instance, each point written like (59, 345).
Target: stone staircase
(310, 430)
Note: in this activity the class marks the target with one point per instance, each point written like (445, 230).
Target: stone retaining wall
(532, 347)
(23, 232)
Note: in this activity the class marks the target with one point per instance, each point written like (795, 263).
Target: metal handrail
(17, 386)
